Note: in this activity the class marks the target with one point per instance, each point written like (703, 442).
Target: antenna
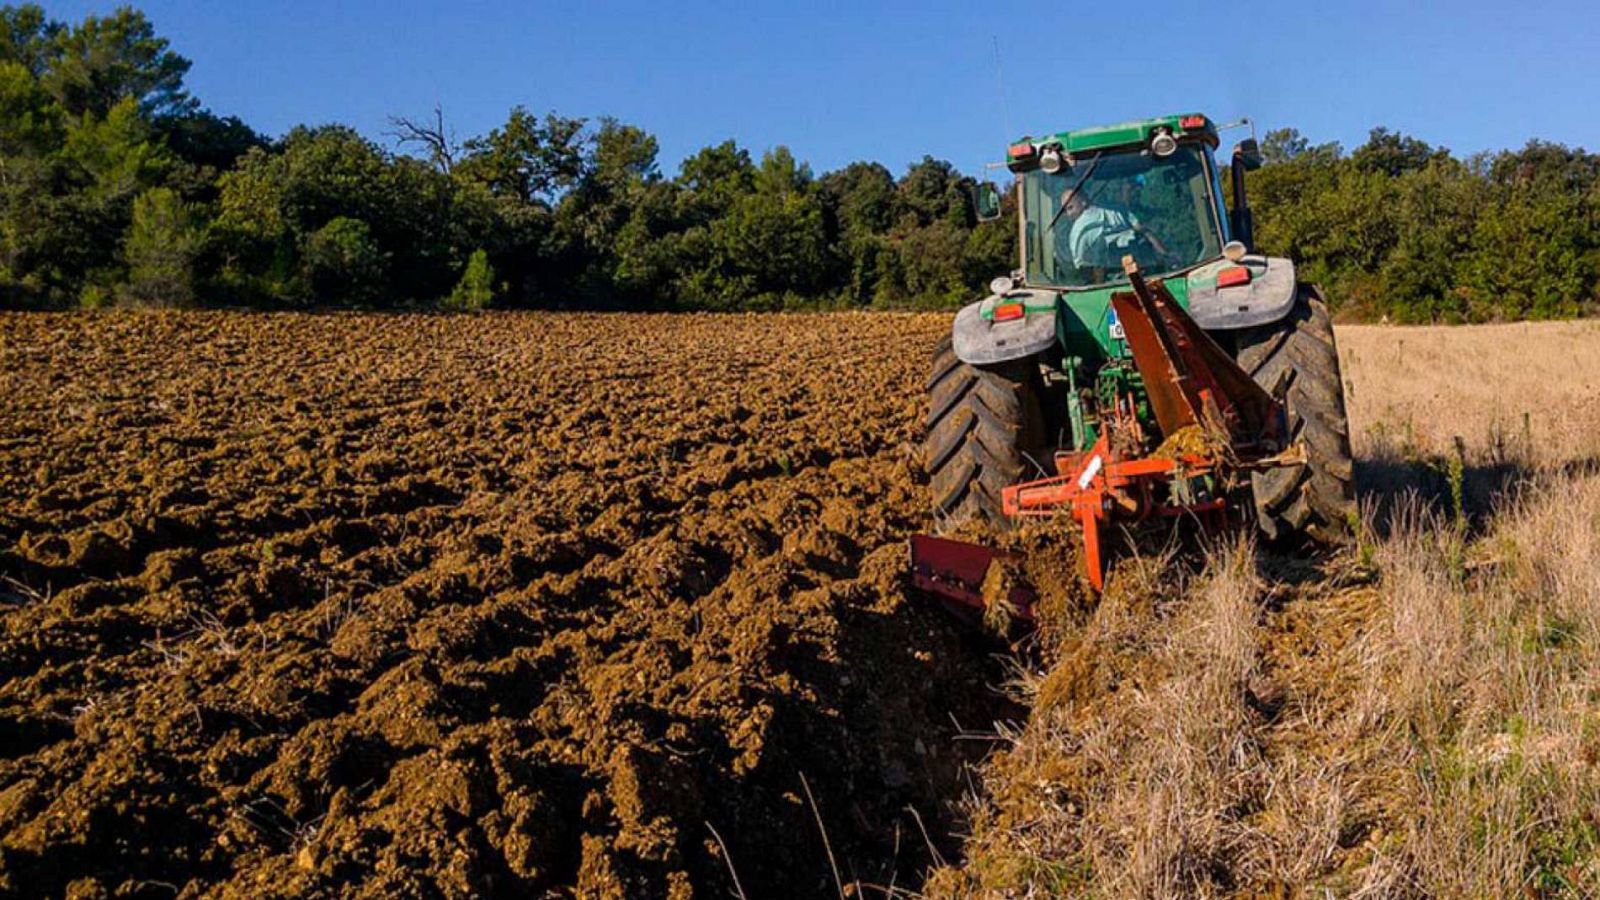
(1000, 86)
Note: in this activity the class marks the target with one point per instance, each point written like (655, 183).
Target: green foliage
(341, 262)
(526, 159)
(163, 242)
(76, 147)
(103, 61)
(206, 140)
(475, 290)
(28, 38)
(276, 205)
(1285, 144)
(93, 296)
(1402, 230)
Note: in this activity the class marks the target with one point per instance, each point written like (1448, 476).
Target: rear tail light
(1005, 312)
(1234, 275)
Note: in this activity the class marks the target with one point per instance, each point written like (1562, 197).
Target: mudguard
(1267, 297)
(979, 341)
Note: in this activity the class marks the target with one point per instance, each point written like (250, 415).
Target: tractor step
(955, 572)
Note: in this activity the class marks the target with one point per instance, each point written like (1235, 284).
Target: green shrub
(342, 263)
(160, 249)
(93, 296)
(475, 290)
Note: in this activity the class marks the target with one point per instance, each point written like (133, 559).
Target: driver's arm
(1138, 228)
(1154, 241)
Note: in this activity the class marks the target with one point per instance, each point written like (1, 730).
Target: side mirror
(986, 200)
(1247, 154)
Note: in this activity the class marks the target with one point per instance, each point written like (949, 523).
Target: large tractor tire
(986, 430)
(1316, 499)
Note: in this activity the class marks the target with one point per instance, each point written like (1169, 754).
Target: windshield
(1082, 220)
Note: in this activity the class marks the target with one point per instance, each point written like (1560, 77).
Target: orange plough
(1215, 423)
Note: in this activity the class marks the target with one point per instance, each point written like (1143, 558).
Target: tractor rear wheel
(986, 430)
(1316, 499)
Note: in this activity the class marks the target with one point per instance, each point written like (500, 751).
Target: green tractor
(1038, 373)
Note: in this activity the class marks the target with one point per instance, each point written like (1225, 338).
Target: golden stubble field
(1415, 717)
(528, 604)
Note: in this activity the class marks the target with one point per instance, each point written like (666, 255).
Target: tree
(418, 219)
(859, 198)
(27, 37)
(712, 179)
(162, 244)
(622, 155)
(1393, 153)
(104, 60)
(525, 159)
(475, 290)
(932, 189)
(438, 146)
(773, 237)
(1282, 145)
(208, 141)
(342, 263)
(1550, 165)
(30, 122)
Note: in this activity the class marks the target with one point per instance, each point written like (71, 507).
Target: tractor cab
(1150, 189)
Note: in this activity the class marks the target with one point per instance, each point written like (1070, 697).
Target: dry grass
(1504, 389)
(1417, 717)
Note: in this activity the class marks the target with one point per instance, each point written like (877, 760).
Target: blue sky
(892, 81)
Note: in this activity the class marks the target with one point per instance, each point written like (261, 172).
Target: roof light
(1051, 160)
(1233, 276)
(1022, 156)
(1163, 143)
(1005, 312)
(1194, 121)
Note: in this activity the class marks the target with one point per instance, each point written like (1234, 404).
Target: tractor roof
(1103, 137)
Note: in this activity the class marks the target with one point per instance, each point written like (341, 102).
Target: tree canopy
(117, 185)
(1401, 229)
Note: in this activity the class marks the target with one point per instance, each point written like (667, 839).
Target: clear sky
(892, 81)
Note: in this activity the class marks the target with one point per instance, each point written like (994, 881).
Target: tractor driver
(1101, 235)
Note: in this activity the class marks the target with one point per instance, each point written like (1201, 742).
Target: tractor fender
(980, 341)
(1267, 297)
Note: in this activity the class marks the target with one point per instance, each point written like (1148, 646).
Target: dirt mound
(504, 605)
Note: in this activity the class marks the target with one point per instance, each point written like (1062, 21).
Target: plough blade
(955, 571)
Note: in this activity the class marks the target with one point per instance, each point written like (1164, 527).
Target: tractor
(1142, 364)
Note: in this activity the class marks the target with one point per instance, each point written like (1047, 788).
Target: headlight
(1001, 286)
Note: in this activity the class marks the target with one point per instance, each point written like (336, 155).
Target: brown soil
(503, 605)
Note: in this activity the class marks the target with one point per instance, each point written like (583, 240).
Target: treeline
(118, 187)
(1401, 229)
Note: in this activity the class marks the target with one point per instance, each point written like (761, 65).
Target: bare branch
(439, 145)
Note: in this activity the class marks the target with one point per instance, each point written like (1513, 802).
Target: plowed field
(506, 605)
